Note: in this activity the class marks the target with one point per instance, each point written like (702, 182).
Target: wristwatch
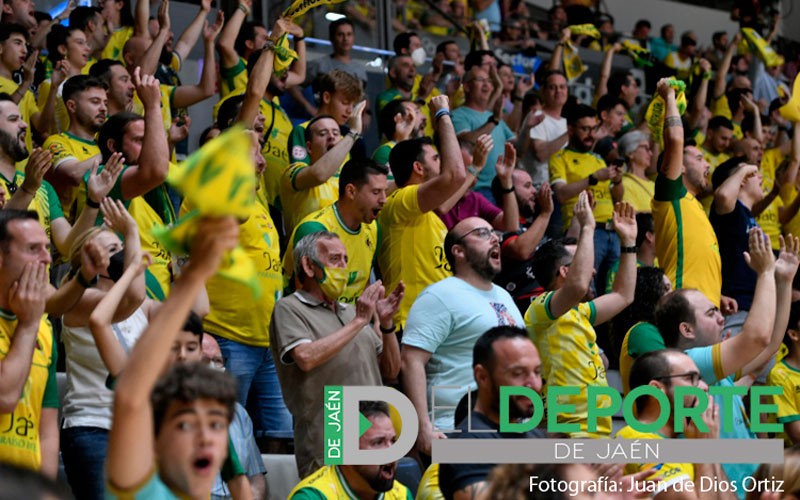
(354, 135)
(493, 120)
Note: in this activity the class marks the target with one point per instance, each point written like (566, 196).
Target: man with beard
(665, 370)
(562, 321)
(717, 144)
(576, 169)
(475, 118)
(356, 482)
(535, 209)
(75, 150)
(399, 120)
(402, 73)
(308, 187)
(318, 341)
(438, 328)
(362, 194)
(29, 190)
(503, 356)
(686, 245)
(119, 84)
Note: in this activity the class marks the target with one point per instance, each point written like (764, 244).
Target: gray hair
(630, 141)
(307, 247)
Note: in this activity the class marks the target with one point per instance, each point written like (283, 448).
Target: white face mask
(419, 56)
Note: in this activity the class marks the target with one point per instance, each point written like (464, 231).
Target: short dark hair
(648, 367)
(672, 310)
(102, 70)
(80, 83)
(307, 131)
(386, 124)
(483, 351)
(81, 16)
(748, 124)
(7, 216)
(442, 47)
(403, 41)
(336, 81)
(6, 30)
(734, 95)
(642, 23)
(617, 80)
(194, 325)
(719, 121)
(372, 408)
(580, 111)
(42, 16)
(717, 36)
(794, 319)
(229, 110)
(246, 33)
(403, 156)
(114, 129)
(609, 102)
(187, 382)
(725, 170)
(644, 223)
(686, 39)
(204, 135)
(548, 259)
(475, 58)
(57, 37)
(357, 171)
(334, 26)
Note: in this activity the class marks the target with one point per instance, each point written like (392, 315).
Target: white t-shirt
(550, 129)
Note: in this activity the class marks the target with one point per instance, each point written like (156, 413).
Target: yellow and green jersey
(328, 483)
(686, 245)
(277, 127)
(411, 247)
(45, 202)
(641, 338)
(116, 42)
(667, 475)
(258, 237)
(361, 245)
(27, 108)
(787, 377)
(19, 430)
(298, 203)
(568, 166)
(66, 147)
(167, 94)
(570, 357)
(768, 219)
(233, 79)
(381, 155)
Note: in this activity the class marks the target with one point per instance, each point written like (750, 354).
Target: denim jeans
(259, 388)
(83, 450)
(606, 252)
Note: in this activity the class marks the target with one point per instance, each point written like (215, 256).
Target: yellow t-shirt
(638, 192)
(411, 247)
(788, 402)
(788, 194)
(714, 160)
(570, 166)
(682, 67)
(61, 115)
(27, 108)
(63, 147)
(167, 93)
(768, 219)
(428, 488)
(45, 202)
(258, 237)
(329, 482)
(686, 245)
(361, 245)
(116, 42)
(570, 357)
(19, 430)
(667, 475)
(232, 79)
(299, 203)
(277, 128)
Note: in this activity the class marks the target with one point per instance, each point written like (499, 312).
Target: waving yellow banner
(300, 7)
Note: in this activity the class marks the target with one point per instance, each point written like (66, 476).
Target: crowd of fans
(502, 234)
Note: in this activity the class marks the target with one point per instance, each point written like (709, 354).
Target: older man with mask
(317, 341)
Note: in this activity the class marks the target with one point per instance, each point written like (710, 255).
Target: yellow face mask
(334, 281)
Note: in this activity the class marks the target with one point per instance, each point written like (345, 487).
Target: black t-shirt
(454, 477)
(516, 276)
(733, 235)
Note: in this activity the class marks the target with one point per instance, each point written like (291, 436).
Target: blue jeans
(606, 252)
(83, 450)
(259, 388)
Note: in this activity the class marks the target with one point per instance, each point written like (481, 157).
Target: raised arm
(480, 152)
(192, 32)
(141, 18)
(558, 52)
(621, 296)
(605, 71)
(130, 456)
(523, 246)
(227, 38)
(508, 220)
(736, 352)
(580, 272)
(151, 56)
(256, 85)
(698, 104)
(435, 191)
(726, 195)
(724, 66)
(672, 164)
(186, 95)
(153, 165)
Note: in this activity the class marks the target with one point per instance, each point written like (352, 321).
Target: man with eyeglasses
(689, 321)
(441, 330)
(665, 370)
(576, 169)
(562, 320)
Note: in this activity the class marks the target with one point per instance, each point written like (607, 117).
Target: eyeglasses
(693, 377)
(484, 233)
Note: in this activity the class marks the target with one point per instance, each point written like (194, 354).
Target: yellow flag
(300, 7)
(791, 110)
(284, 55)
(761, 48)
(585, 30)
(573, 66)
(654, 116)
(641, 56)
